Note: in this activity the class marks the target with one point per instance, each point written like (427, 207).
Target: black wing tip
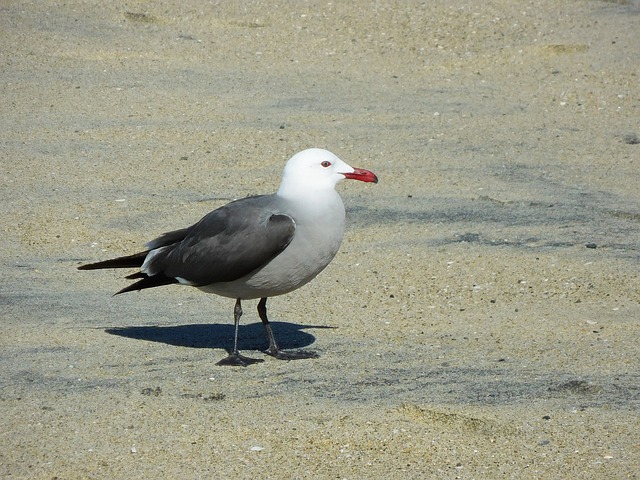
(145, 281)
(89, 266)
(130, 261)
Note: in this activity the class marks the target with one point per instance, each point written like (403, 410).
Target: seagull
(256, 247)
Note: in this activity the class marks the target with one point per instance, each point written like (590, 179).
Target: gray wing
(225, 245)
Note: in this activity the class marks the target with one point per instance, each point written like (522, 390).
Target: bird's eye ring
(326, 164)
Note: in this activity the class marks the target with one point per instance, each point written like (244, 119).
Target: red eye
(326, 164)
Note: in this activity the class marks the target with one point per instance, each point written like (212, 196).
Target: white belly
(316, 242)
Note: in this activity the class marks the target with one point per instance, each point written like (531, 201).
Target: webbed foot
(297, 355)
(237, 360)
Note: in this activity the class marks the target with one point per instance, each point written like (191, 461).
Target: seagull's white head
(316, 169)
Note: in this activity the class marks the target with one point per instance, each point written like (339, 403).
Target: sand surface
(482, 319)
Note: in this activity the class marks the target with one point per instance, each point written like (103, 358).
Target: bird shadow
(251, 337)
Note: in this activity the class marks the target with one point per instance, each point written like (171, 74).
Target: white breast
(320, 224)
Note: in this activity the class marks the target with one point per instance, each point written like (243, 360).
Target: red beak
(362, 175)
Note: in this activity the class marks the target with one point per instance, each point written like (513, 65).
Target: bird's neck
(302, 191)
(311, 199)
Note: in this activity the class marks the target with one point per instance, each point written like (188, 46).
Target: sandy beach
(482, 318)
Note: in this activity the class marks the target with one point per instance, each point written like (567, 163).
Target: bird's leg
(273, 349)
(234, 358)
